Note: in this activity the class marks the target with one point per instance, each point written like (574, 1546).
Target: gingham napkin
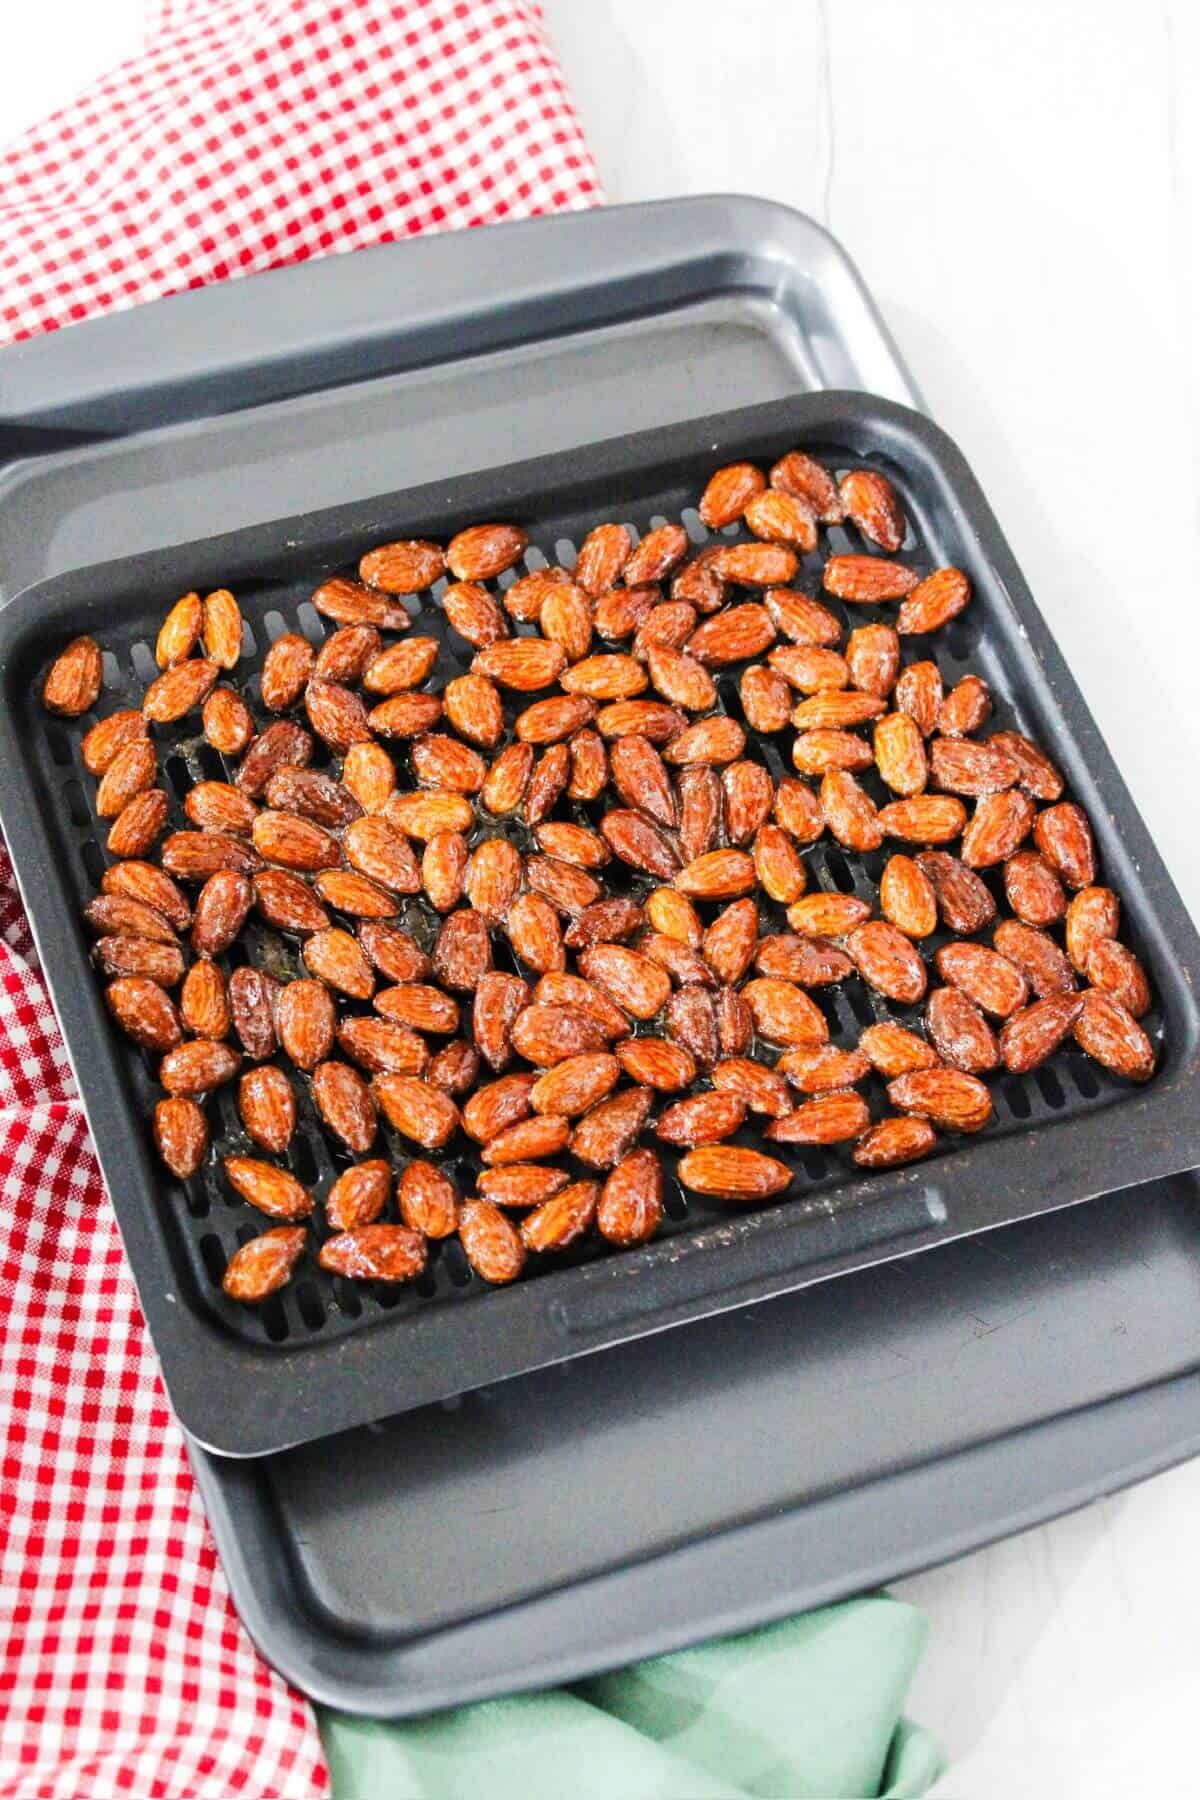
(250, 133)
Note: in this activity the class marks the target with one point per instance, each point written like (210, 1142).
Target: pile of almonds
(658, 1005)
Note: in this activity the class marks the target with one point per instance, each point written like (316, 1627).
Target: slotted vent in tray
(213, 1222)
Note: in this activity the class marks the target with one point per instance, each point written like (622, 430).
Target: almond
(963, 767)
(701, 1119)
(575, 844)
(1038, 775)
(809, 668)
(1035, 1032)
(637, 985)
(991, 981)
(334, 957)
(162, 963)
(807, 961)
(748, 796)
(868, 578)
(108, 737)
(397, 671)
(349, 603)
(718, 875)
(589, 766)
(288, 903)
(964, 901)
(802, 619)
(422, 816)
(265, 1264)
(344, 1102)
(252, 997)
(890, 1142)
(710, 742)
(959, 1032)
(492, 1109)
(784, 1014)
(118, 915)
(907, 898)
(548, 783)
(778, 864)
(701, 803)
(602, 556)
(691, 1020)
(492, 879)
(527, 595)
(888, 962)
(820, 1069)
(765, 697)
(782, 518)
(195, 855)
(405, 715)
(218, 806)
(176, 691)
(680, 678)
(337, 714)
(652, 719)
(181, 1136)
(1033, 889)
(295, 843)
(144, 1012)
(832, 1118)
(491, 1243)
(221, 910)
(130, 773)
(558, 1222)
(566, 619)
(966, 709)
(609, 1132)
(268, 1108)
(545, 1135)
(1064, 837)
(344, 655)
(222, 628)
(484, 551)
(359, 1195)
(375, 1253)
(620, 612)
(282, 743)
(932, 819)
(850, 812)
(547, 1035)
(271, 1190)
(534, 932)
(894, 1051)
(823, 749)
(1036, 955)
(474, 614)
(799, 474)
(733, 635)
(634, 840)
(523, 664)
(654, 1063)
(139, 824)
(760, 1089)
(873, 659)
(1117, 971)
(606, 922)
(394, 952)
(143, 882)
(870, 500)
(179, 632)
(305, 1021)
(900, 754)
(834, 710)
(427, 1200)
(456, 1068)
(443, 762)
(575, 1084)
(728, 1172)
(404, 567)
(753, 565)
(660, 551)
(558, 989)
(314, 796)
(630, 1207)
(918, 693)
(828, 915)
(948, 1097)
(1094, 913)
(1113, 1038)
(369, 774)
(728, 492)
(72, 686)
(521, 1184)
(934, 602)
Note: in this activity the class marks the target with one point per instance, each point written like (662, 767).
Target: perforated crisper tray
(324, 1355)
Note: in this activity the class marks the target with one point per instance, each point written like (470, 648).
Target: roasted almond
(1035, 1032)
(1037, 956)
(1038, 775)
(691, 1020)
(728, 492)
(108, 737)
(219, 806)
(422, 816)
(404, 567)
(288, 903)
(349, 603)
(850, 812)
(176, 691)
(305, 1021)
(894, 1051)
(474, 614)
(252, 997)
(1033, 889)
(819, 1070)
(379, 1252)
(492, 879)
(918, 692)
(963, 767)
(766, 698)
(783, 519)
(72, 686)
(783, 1012)
(888, 961)
(162, 963)
(833, 1118)
(282, 743)
(992, 981)
(630, 1207)
(964, 901)
(544, 1135)
(519, 1185)
(360, 1195)
(491, 1242)
(119, 915)
(753, 565)
(198, 1067)
(655, 1063)
(305, 791)
(762, 1090)
(735, 634)
(522, 664)
(1113, 1038)
(948, 1097)
(808, 961)
(602, 556)
(346, 652)
(609, 1131)
(637, 985)
(139, 824)
(868, 578)
(335, 958)
(801, 619)
(130, 773)
(152, 887)
(871, 502)
(221, 910)
(1064, 837)
(929, 819)
(729, 1172)
(369, 774)
(900, 754)
(718, 875)
(270, 1189)
(181, 1136)
(1117, 971)
(907, 898)
(575, 1084)
(701, 1119)
(265, 1264)
(267, 1107)
(1094, 913)
(819, 751)
(959, 1032)
(195, 855)
(833, 710)
(606, 922)
(966, 709)
(934, 602)
(801, 475)
(179, 632)
(890, 1142)
(345, 1104)
(828, 915)
(144, 1012)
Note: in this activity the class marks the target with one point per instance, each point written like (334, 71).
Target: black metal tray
(756, 1464)
(326, 1357)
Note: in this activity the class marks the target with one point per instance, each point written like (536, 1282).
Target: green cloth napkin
(806, 1710)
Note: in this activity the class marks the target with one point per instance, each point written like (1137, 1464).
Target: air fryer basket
(325, 1353)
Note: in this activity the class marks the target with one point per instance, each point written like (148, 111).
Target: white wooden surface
(1020, 184)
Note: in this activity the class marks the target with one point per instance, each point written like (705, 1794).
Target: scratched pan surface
(326, 1354)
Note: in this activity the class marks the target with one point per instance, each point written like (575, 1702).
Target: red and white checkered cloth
(250, 133)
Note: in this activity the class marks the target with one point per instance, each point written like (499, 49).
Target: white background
(1019, 181)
